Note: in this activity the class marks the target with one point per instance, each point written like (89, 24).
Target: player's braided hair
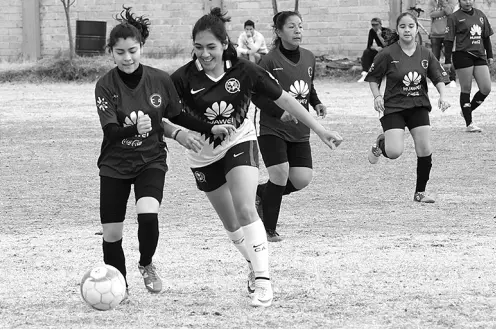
(279, 21)
(215, 23)
(130, 26)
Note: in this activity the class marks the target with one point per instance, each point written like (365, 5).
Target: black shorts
(276, 151)
(114, 193)
(213, 176)
(411, 118)
(462, 60)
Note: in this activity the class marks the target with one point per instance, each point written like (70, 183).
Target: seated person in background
(251, 44)
(378, 34)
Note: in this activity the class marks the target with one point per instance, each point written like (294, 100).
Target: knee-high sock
(238, 239)
(148, 236)
(423, 173)
(290, 188)
(271, 205)
(114, 255)
(477, 100)
(466, 107)
(261, 188)
(256, 242)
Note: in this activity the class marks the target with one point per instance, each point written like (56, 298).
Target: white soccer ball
(103, 287)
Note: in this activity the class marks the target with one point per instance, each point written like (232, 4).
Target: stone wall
(333, 27)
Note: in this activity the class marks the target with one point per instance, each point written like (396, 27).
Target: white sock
(256, 243)
(238, 239)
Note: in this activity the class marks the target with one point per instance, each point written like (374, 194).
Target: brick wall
(335, 27)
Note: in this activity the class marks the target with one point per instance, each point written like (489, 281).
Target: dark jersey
(118, 104)
(297, 80)
(406, 85)
(222, 100)
(469, 31)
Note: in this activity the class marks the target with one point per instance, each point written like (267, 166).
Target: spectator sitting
(378, 34)
(251, 43)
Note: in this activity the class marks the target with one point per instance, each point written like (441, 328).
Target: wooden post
(31, 33)
(395, 10)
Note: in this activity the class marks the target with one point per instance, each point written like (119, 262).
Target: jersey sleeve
(106, 109)
(266, 84)
(450, 29)
(173, 107)
(436, 72)
(379, 67)
(487, 30)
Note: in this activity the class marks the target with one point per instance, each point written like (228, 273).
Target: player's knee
(393, 153)
(302, 181)
(486, 89)
(246, 213)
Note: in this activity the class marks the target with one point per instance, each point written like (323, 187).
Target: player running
(217, 87)
(406, 65)
(470, 29)
(284, 142)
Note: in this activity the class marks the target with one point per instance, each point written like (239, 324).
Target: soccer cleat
(273, 236)
(263, 295)
(258, 206)
(375, 151)
(153, 283)
(472, 128)
(421, 197)
(251, 282)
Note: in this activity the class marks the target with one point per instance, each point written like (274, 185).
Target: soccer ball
(103, 287)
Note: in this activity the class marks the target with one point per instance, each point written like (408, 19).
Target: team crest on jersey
(309, 72)
(424, 64)
(102, 104)
(156, 100)
(199, 176)
(481, 20)
(232, 86)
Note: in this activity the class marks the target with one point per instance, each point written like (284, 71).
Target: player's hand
(190, 141)
(331, 138)
(143, 123)
(378, 104)
(443, 105)
(490, 61)
(321, 110)
(223, 130)
(288, 117)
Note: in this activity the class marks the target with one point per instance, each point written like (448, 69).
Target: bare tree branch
(275, 6)
(67, 4)
(296, 6)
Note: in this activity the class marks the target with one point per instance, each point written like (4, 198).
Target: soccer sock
(256, 243)
(114, 256)
(477, 100)
(273, 195)
(290, 188)
(148, 236)
(238, 238)
(466, 108)
(423, 173)
(261, 188)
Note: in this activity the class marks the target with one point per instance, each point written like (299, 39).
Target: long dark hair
(279, 21)
(129, 26)
(393, 36)
(215, 23)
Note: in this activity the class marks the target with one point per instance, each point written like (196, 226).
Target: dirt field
(357, 252)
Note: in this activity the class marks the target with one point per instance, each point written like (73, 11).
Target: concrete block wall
(333, 27)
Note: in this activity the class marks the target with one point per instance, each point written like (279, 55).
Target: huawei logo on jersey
(412, 83)
(131, 120)
(299, 91)
(475, 30)
(219, 113)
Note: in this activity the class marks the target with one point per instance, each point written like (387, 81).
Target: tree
(275, 6)
(67, 5)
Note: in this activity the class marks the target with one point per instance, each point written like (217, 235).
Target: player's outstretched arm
(330, 138)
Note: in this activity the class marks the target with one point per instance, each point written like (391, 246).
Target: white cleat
(363, 76)
(472, 128)
(263, 295)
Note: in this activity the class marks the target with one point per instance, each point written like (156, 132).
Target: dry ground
(357, 252)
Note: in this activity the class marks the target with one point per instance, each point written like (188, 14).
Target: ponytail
(129, 26)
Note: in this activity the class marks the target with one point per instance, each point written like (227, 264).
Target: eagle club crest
(309, 71)
(424, 64)
(156, 100)
(232, 86)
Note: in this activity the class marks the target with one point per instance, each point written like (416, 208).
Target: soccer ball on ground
(103, 287)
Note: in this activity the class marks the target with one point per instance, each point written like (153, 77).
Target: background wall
(334, 27)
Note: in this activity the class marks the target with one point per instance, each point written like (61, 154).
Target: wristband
(175, 133)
